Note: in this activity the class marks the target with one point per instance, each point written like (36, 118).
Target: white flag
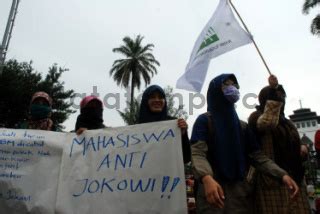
(221, 34)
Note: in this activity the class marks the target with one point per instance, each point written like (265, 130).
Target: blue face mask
(231, 93)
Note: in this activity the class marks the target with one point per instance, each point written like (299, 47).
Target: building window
(308, 124)
(314, 123)
(303, 125)
(298, 125)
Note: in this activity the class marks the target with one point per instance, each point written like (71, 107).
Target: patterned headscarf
(41, 94)
(41, 123)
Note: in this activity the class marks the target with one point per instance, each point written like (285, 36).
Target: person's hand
(303, 150)
(50, 124)
(273, 81)
(182, 124)
(213, 191)
(80, 131)
(291, 184)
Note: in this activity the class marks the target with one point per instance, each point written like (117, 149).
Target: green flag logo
(210, 38)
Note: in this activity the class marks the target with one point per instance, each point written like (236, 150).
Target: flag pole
(255, 44)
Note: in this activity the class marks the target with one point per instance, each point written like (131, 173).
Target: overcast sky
(80, 35)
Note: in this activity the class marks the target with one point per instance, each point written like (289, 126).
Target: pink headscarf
(88, 99)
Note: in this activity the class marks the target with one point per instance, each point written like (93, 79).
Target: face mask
(92, 113)
(231, 93)
(39, 111)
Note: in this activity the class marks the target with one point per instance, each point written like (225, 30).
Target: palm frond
(123, 50)
(146, 48)
(118, 64)
(309, 4)
(315, 25)
(146, 77)
(139, 39)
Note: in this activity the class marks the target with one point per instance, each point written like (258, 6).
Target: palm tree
(131, 115)
(138, 62)
(315, 25)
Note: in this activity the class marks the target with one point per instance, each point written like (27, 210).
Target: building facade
(306, 121)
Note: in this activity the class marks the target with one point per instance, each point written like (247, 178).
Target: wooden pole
(255, 44)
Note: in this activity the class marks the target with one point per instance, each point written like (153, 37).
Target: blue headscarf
(226, 151)
(145, 115)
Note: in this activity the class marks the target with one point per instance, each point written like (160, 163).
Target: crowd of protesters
(239, 167)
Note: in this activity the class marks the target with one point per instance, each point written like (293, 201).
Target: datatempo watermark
(195, 100)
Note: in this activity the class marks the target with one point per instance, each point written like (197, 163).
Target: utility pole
(8, 32)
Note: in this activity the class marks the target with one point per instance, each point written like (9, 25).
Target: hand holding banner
(133, 169)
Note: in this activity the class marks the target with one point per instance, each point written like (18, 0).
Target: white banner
(29, 170)
(221, 34)
(133, 169)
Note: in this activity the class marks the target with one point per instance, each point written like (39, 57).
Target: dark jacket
(226, 151)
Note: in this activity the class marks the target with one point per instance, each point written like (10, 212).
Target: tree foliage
(174, 110)
(19, 81)
(131, 117)
(61, 108)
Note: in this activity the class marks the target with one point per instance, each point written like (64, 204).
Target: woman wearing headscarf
(153, 108)
(40, 113)
(91, 114)
(280, 142)
(222, 148)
